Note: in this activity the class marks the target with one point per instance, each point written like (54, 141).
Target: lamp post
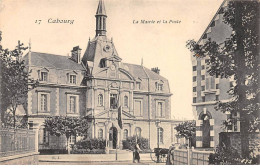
(158, 143)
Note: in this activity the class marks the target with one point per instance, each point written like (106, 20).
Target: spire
(101, 8)
(101, 19)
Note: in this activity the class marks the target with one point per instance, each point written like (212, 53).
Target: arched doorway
(112, 137)
(205, 131)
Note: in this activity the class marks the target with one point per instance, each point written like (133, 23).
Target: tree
(238, 57)
(15, 82)
(68, 126)
(187, 130)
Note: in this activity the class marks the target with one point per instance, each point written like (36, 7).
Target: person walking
(136, 153)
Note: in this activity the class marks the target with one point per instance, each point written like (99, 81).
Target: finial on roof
(101, 19)
(88, 38)
(111, 39)
(142, 61)
(101, 8)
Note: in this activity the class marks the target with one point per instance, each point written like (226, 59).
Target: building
(207, 90)
(96, 85)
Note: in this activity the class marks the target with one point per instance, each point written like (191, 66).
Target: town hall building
(96, 83)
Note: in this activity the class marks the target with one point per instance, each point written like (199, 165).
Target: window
(100, 100)
(194, 68)
(137, 108)
(44, 76)
(160, 109)
(202, 77)
(217, 86)
(43, 102)
(194, 89)
(125, 134)
(73, 79)
(100, 133)
(210, 83)
(203, 88)
(194, 79)
(72, 139)
(160, 132)
(45, 136)
(158, 86)
(203, 67)
(217, 98)
(203, 99)
(194, 99)
(102, 63)
(113, 101)
(125, 101)
(72, 104)
(138, 132)
(138, 85)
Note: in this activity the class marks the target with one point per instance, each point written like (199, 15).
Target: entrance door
(206, 132)
(112, 137)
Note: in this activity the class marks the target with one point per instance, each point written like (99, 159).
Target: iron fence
(16, 141)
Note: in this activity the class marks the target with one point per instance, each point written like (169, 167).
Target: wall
(26, 159)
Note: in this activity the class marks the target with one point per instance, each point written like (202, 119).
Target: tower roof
(101, 8)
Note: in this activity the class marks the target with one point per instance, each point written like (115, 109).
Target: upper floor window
(43, 102)
(210, 83)
(100, 100)
(138, 108)
(159, 109)
(72, 104)
(72, 79)
(125, 101)
(194, 89)
(159, 86)
(202, 77)
(203, 67)
(194, 79)
(138, 85)
(102, 63)
(100, 133)
(194, 68)
(113, 101)
(44, 76)
(194, 100)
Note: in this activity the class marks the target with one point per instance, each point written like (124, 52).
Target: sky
(159, 44)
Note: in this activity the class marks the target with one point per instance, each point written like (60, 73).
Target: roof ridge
(50, 54)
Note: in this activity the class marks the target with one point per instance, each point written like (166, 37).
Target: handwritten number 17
(38, 21)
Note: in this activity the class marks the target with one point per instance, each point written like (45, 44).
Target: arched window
(138, 131)
(100, 133)
(160, 132)
(125, 134)
(100, 100)
(125, 101)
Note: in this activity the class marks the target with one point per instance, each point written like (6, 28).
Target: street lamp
(157, 123)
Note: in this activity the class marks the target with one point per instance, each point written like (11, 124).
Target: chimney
(156, 70)
(75, 54)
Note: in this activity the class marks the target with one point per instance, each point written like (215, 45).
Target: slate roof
(53, 61)
(142, 72)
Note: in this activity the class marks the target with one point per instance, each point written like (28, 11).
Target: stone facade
(207, 90)
(96, 86)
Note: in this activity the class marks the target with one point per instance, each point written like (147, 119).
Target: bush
(89, 146)
(130, 143)
(229, 156)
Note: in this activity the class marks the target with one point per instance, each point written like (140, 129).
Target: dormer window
(73, 79)
(44, 76)
(158, 86)
(103, 63)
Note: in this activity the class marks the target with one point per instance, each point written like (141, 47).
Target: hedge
(130, 143)
(91, 146)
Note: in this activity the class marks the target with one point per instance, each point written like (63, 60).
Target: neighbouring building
(207, 90)
(92, 86)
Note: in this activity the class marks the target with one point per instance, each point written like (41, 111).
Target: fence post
(188, 155)
(36, 131)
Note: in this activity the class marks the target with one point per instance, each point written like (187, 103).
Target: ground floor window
(100, 133)
(125, 134)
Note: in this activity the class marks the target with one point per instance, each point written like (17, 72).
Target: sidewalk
(90, 158)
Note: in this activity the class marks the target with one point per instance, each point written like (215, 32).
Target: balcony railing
(15, 142)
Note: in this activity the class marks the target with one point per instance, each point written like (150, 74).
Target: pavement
(125, 158)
